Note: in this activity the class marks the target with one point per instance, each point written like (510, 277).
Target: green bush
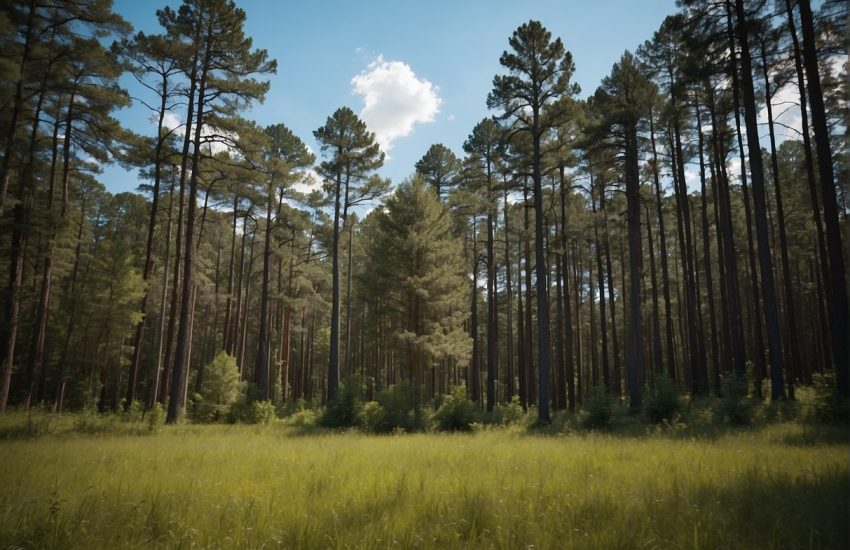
(302, 419)
(736, 408)
(598, 409)
(222, 387)
(456, 413)
(342, 412)
(254, 412)
(401, 408)
(509, 414)
(372, 417)
(664, 401)
(155, 417)
(263, 412)
(828, 406)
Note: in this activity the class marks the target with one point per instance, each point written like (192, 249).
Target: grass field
(780, 486)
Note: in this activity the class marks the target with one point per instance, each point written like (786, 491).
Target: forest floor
(63, 485)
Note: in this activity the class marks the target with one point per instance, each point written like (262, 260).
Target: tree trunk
(838, 305)
(757, 178)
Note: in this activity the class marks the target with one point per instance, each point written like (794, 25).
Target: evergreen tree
(539, 72)
(352, 155)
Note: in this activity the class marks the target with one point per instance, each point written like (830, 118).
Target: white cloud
(171, 121)
(395, 99)
(309, 182)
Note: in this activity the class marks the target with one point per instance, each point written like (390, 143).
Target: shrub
(262, 412)
(510, 413)
(342, 411)
(736, 407)
(664, 402)
(254, 412)
(402, 410)
(155, 417)
(598, 409)
(828, 406)
(372, 417)
(303, 418)
(222, 387)
(456, 413)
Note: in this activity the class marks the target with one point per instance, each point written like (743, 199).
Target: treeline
(576, 243)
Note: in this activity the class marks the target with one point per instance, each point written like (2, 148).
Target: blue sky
(424, 67)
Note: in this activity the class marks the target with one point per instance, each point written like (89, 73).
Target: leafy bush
(254, 412)
(509, 414)
(263, 412)
(456, 413)
(222, 387)
(664, 402)
(302, 418)
(373, 418)
(342, 412)
(401, 408)
(736, 407)
(155, 417)
(598, 409)
(828, 406)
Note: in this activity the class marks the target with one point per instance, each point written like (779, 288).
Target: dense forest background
(566, 250)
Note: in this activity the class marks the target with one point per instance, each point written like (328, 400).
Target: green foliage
(736, 408)
(415, 276)
(263, 412)
(155, 417)
(395, 409)
(343, 411)
(221, 388)
(252, 412)
(509, 414)
(828, 406)
(598, 409)
(664, 402)
(456, 413)
(372, 417)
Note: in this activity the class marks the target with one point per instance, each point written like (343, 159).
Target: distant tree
(352, 155)
(440, 168)
(220, 71)
(484, 144)
(285, 157)
(625, 97)
(539, 72)
(416, 268)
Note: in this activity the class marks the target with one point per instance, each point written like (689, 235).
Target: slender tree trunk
(838, 305)
(261, 368)
(790, 314)
(606, 371)
(706, 245)
(635, 350)
(665, 273)
(568, 323)
(182, 345)
(824, 272)
(511, 386)
(757, 179)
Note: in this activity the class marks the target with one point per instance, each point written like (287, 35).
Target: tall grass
(245, 486)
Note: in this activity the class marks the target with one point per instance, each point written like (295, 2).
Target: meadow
(68, 485)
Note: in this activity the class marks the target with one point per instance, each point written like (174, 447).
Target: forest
(574, 244)
(632, 300)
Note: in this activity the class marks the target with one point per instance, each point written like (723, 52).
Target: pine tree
(539, 72)
(352, 154)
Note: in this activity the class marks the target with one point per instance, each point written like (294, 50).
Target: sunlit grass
(781, 486)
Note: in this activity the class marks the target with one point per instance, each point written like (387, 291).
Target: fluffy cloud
(395, 99)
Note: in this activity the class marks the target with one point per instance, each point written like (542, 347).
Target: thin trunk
(838, 305)
(757, 178)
